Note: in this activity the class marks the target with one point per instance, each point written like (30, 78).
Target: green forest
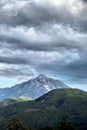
(64, 124)
(61, 109)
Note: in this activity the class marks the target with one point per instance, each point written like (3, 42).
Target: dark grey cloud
(84, 1)
(51, 38)
(46, 36)
(74, 70)
(19, 73)
(38, 13)
(12, 60)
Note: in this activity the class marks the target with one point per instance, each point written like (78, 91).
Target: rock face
(33, 88)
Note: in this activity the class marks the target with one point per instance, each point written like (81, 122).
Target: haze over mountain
(33, 88)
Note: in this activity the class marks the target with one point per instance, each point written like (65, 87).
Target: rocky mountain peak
(33, 88)
(41, 78)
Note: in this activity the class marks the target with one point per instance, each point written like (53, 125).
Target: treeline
(64, 124)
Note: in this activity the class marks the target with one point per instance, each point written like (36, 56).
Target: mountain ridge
(33, 88)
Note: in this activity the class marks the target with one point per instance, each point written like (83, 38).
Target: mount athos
(33, 88)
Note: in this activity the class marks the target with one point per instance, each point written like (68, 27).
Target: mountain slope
(33, 88)
(50, 108)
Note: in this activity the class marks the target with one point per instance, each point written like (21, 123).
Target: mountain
(33, 88)
(49, 109)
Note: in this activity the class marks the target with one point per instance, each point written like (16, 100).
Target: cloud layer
(46, 36)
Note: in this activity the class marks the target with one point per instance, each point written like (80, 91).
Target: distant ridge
(33, 88)
(10, 101)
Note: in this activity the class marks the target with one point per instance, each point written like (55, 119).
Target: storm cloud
(43, 36)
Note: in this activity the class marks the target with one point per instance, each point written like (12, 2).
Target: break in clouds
(44, 36)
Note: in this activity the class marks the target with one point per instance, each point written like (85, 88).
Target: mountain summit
(33, 88)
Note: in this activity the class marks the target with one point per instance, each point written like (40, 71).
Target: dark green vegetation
(16, 124)
(49, 109)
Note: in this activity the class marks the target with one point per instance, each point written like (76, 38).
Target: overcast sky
(43, 37)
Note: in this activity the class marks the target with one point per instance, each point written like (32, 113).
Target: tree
(65, 125)
(47, 128)
(16, 124)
